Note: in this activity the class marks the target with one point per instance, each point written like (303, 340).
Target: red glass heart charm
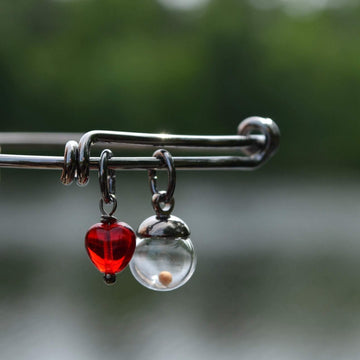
(110, 246)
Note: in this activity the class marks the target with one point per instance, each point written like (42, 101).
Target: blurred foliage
(140, 66)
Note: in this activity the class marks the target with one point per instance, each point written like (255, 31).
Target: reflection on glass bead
(164, 258)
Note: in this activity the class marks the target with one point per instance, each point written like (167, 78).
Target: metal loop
(167, 159)
(167, 208)
(106, 177)
(268, 128)
(71, 162)
(104, 213)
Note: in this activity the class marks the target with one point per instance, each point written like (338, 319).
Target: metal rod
(58, 140)
(128, 163)
(77, 162)
(36, 139)
(168, 140)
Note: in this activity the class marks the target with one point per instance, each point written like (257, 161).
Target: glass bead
(164, 258)
(110, 246)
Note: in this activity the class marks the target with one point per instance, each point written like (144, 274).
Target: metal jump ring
(167, 159)
(166, 209)
(106, 177)
(104, 213)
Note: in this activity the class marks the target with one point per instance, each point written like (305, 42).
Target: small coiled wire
(71, 163)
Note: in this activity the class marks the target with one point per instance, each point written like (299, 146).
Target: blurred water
(277, 276)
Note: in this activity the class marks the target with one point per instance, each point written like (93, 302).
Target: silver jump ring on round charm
(106, 177)
(167, 159)
(166, 209)
(163, 201)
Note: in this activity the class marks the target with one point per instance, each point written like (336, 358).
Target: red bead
(110, 246)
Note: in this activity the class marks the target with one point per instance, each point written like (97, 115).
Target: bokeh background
(278, 273)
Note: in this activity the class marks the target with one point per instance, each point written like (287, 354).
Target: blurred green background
(186, 66)
(278, 268)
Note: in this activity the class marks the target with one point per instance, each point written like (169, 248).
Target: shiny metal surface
(168, 161)
(107, 182)
(131, 163)
(105, 214)
(163, 201)
(263, 148)
(57, 140)
(162, 208)
(70, 167)
(268, 128)
(107, 177)
(77, 160)
(169, 228)
(32, 162)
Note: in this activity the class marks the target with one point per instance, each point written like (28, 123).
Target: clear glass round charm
(164, 257)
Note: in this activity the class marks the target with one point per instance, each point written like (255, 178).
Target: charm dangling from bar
(164, 258)
(110, 244)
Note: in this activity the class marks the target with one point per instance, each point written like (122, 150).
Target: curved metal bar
(271, 132)
(260, 147)
(77, 162)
